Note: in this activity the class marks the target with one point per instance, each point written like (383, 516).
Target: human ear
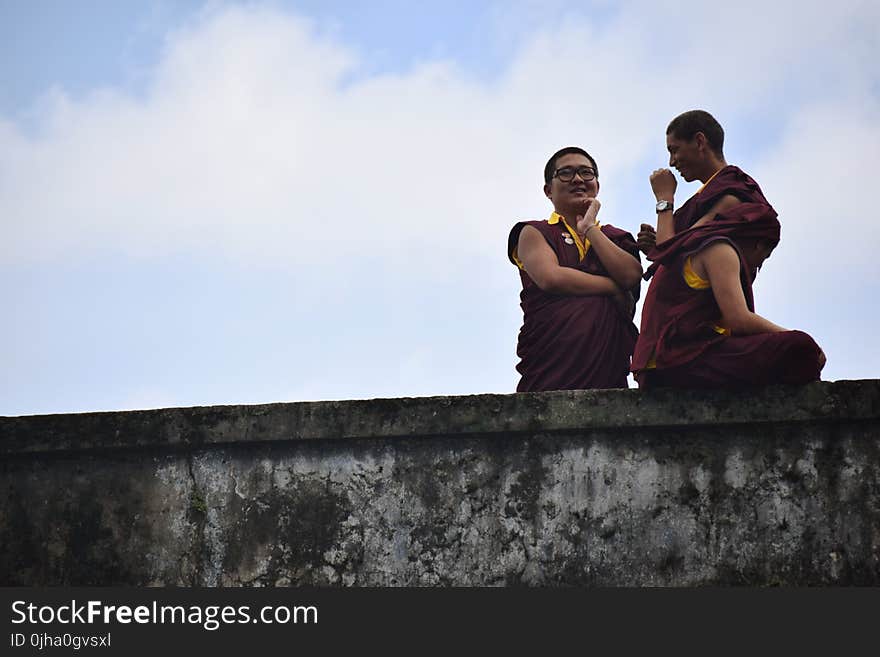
(547, 191)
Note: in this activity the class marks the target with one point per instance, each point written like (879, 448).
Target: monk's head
(695, 141)
(570, 177)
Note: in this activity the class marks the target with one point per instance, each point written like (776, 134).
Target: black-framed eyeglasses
(566, 174)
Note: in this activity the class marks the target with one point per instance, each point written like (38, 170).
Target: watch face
(663, 205)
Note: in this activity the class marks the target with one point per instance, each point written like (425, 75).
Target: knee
(801, 344)
(803, 355)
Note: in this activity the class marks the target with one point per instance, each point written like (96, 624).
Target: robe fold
(570, 342)
(680, 343)
(730, 180)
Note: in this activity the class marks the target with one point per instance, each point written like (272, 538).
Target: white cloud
(255, 142)
(251, 136)
(824, 275)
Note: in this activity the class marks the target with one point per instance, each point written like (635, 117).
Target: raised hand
(588, 219)
(663, 183)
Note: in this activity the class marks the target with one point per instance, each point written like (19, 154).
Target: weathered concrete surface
(775, 486)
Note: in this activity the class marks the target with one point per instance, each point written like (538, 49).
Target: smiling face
(686, 156)
(568, 198)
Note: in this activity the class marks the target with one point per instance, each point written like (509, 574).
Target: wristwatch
(663, 206)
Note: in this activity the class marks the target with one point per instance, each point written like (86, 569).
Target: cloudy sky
(228, 202)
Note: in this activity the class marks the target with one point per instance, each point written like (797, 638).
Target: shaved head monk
(580, 281)
(695, 141)
(699, 325)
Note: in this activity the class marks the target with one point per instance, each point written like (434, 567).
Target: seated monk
(695, 141)
(580, 283)
(699, 326)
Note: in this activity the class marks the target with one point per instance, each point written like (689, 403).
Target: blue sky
(220, 203)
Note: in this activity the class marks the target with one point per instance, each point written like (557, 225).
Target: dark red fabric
(678, 321)
(570, 342)
(744, 361)
(730, 180)
(746, 221)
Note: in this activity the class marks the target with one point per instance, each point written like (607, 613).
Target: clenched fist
(646, 238)
(663, 183)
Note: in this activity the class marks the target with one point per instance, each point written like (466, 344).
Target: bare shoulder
(532, 243)
(729, 199)
(717, 254)
(717, 249)
(530, 235)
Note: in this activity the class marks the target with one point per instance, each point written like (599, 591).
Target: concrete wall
(770, 487)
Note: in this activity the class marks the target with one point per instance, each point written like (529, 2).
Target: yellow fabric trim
(582, 245)
(515, 256)
(697, 282)
(692, 278)
(708, 181)
(652, 361)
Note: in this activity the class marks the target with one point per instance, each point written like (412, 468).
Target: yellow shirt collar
(710, 179)
(582, 245)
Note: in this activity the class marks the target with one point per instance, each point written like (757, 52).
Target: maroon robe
(678, 322)
(729, 180)
(572, 342)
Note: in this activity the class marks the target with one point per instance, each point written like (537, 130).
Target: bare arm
(720, 264)
(622, 266)
(542, 266)
(663, 185)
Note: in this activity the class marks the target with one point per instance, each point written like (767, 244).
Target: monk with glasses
(580, 281)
